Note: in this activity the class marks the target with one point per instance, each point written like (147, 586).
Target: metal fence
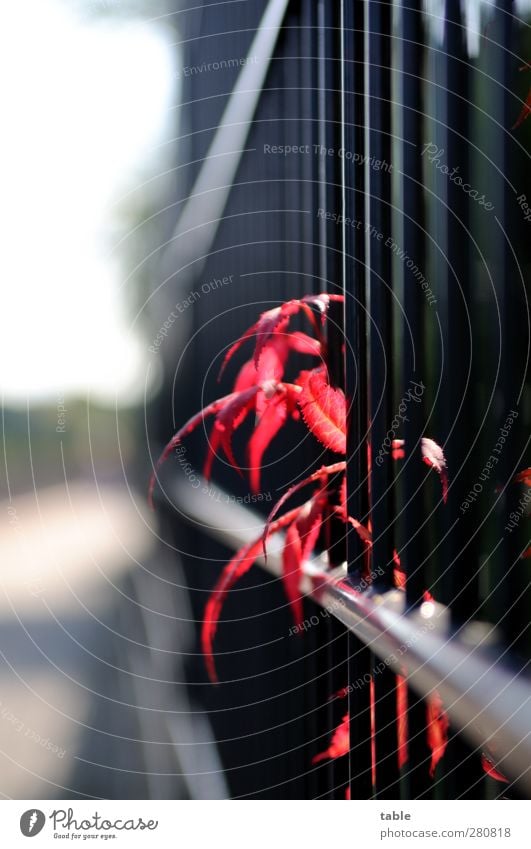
(319, 147)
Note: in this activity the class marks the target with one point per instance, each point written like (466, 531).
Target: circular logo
(32, 822)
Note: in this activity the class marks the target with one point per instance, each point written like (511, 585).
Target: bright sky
(84, 103)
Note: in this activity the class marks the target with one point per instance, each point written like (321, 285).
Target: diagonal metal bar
(203, 210)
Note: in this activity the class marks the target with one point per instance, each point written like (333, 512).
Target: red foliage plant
(260, 391)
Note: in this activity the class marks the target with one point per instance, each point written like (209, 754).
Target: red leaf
(524, 477)
(343, 497)
(233, 571)
(432, 455)
(304, 344)
(339, 744)
(238, 566)
(397, 449)
(300, 541)
(339, 694)
(437, 729)
(363, 532)
(270, 319)
(399, 577)
(214, 441)
(401, 716)
(491, 770)
(273, 321)
(277, 319)
(322, 301)
(341, 510)
(372, 699)
(247, 379)
(267, 428)
(270, 369)
(185, 430)
(230, 411)
(231, 417)
(323, 409)
(272, 360)
(524, 112)
(398, 573)
(320, 475)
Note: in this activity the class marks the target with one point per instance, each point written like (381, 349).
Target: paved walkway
(65, 559)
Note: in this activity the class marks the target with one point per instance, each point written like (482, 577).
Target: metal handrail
(486, 699)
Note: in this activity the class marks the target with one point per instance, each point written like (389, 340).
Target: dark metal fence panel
(430, 301)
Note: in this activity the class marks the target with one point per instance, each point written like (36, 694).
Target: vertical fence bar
(330, 264)
(377, 231)
(463, 369)
(320, 780)
(516, 336)
(509, 586)
(355, 323)
(413, 331)
(414, 554)
(513, 310)
(459, 391)
(499, 59)
(319, 643)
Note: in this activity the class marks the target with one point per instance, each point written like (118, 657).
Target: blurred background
(90, 120)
